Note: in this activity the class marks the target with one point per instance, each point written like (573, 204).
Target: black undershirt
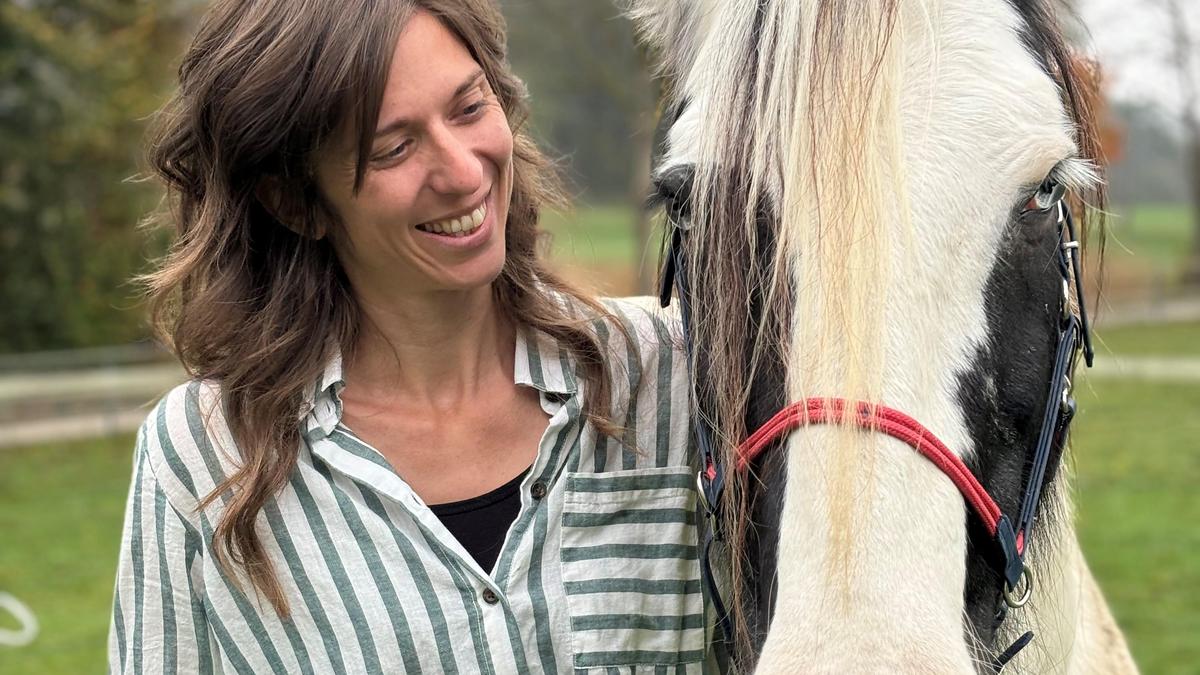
(481, 523)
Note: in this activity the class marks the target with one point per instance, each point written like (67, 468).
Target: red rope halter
(885, 420)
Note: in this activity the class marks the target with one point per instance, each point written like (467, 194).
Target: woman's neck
(438, 349)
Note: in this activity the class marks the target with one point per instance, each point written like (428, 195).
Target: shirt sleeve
(158, 620)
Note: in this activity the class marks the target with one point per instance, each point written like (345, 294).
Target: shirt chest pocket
(631, 568)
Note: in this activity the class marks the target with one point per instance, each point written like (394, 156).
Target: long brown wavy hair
(256, 305)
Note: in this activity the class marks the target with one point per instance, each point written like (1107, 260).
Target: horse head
(869, 197)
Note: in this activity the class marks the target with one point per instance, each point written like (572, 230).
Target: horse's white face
(873, 538)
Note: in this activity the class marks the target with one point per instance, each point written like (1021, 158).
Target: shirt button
(537, 490)
(489, 596)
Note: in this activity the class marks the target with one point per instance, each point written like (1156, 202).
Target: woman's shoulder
(653, 354)
(646, 322)
(185, 441)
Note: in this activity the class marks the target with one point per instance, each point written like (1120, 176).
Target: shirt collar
(540, 361)
(322, 408)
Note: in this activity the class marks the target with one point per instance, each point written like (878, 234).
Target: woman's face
(432, 209)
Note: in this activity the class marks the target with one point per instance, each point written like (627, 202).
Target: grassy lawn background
(1179, 339)
(61, 508)
(599, 234)
(1138, 467)
(1152, 235)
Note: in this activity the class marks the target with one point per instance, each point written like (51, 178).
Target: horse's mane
(798, 106)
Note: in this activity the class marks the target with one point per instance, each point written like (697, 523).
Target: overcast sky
(1132, 40)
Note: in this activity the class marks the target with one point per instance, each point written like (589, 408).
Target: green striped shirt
(600, 575)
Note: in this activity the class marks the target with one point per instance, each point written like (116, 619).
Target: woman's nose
(456, 168)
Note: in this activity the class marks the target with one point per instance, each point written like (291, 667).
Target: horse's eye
(1049, 193)
(673, 189)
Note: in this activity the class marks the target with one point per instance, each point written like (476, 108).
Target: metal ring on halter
(1010, 597)
(1068, 245)
(1066, 300)
(700, 491)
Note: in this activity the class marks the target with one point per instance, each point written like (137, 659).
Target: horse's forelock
(783, 103)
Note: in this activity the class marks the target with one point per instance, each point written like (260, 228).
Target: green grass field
(1138, 467)
(1145, 245)
(1149, 235)
(1136, 455)
(594, 235)
(61, 507)
(1180, 339)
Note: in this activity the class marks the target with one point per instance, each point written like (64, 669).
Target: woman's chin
(478, 270)
(479, 275)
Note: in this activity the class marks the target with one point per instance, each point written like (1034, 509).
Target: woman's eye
(474, 109)
(395, 152)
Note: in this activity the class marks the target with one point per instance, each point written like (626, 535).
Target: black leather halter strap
(711, 478)
(1074, 336)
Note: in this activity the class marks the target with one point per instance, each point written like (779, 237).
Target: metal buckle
(703, 493)
(1011, 598)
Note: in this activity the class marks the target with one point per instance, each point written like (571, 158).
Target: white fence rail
(63, 395)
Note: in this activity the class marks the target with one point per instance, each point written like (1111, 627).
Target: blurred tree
(1185, 61)
(593, 100)
(1148, 170)
(77, 78)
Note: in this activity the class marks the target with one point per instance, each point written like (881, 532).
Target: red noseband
(884, 420)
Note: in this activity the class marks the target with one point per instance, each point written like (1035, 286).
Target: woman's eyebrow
(470, 82)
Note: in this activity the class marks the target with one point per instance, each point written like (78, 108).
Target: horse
(871, 234)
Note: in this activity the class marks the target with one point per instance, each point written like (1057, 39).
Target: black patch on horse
(1003, 396)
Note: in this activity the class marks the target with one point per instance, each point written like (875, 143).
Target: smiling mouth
(457, 227)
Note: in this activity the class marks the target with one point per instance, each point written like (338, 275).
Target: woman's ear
(287, 208)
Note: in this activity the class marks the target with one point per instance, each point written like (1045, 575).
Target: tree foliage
(78, 79)
(590, 93)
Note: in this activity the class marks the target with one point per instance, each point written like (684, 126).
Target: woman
(407, 446)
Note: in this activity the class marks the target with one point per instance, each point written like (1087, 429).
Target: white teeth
(458, 227)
